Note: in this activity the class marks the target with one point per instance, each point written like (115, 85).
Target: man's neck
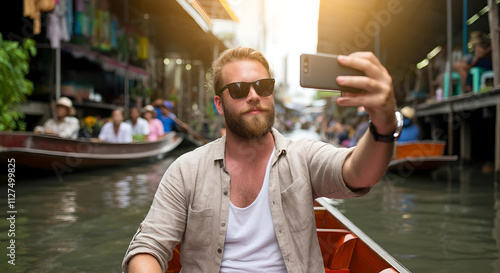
(252, 150)
(60, 119)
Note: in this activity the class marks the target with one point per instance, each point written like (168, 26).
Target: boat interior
(342, 250)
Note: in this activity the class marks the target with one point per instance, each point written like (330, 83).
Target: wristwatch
(388, 138)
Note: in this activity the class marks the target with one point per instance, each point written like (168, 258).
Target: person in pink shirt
(155, 126)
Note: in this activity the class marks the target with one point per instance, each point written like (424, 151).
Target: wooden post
(465, 140)
(450, 131)
(449, 46)
(495, 41)
(497, 141)
(58, 72)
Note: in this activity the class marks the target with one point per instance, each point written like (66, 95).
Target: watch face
(400, 122)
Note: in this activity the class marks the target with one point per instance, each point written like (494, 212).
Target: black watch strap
(378, 137)
(388, 138)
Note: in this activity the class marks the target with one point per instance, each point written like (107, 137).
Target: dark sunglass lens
(264, 87)
(239, 90)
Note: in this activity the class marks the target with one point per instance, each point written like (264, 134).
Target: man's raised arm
(369, 160)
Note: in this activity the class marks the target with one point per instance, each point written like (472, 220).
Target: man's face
(134, 113)
(253, 116)
(117, 117)
(62, 111)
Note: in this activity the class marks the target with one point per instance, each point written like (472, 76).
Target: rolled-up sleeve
(325, 169)
(164, 225)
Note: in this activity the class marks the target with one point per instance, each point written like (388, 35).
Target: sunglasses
(240, 90)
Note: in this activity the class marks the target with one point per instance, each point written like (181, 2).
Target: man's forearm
(144, 263)
(367, 163)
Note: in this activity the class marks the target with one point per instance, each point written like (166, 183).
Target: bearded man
(244, 203)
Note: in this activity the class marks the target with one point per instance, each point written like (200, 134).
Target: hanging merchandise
(143, 50)
(57, 28)
(69, 16)
(114, 32)
(81, 26)
(105, 30)
(34, 8)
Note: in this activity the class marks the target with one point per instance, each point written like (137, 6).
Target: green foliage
(140, 91)
(14, 87)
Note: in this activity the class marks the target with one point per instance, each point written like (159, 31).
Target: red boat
(345, 248)
(420, 156)
(45, 152)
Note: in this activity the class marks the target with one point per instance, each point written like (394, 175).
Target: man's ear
(218, 105)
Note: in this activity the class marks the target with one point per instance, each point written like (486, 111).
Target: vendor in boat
(116, 131)
(65, 125)
(155, 126)
(140, 127)
(244, 202)
(411, 131)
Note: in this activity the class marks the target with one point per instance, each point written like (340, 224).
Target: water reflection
(439, 223)
(82, 224)
(445, 222)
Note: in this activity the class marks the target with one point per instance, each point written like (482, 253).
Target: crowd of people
(150, 123)
(346, 132)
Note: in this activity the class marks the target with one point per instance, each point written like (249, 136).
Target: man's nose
(252, 95)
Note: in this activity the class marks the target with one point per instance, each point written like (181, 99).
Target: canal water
(447, 221)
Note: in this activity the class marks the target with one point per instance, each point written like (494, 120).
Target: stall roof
(173, 30)
(409, 29)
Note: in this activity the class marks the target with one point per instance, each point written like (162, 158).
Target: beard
(249, 127)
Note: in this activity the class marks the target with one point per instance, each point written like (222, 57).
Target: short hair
(231, 55)
(120, 109)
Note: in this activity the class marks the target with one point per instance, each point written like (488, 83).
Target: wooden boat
(419, 156)
(51, 153)
(345, 248)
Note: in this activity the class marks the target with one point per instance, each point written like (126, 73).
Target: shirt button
(223, 224)
(274, 203)
(219, 250)
(225, 192)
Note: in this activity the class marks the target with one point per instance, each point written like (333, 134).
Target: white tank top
(251, 244)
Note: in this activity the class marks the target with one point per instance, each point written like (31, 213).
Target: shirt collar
(280, 145)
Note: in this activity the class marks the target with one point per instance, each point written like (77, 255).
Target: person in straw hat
(410, 132)
(156, 130)
(65, 125)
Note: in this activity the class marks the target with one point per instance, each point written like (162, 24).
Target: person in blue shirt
(410, 132)
(163, 112)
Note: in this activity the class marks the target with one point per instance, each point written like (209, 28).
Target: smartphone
(320, 71)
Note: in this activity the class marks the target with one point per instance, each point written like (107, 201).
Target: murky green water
(446, 223)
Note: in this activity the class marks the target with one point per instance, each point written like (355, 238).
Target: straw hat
(149, 108)
(408, 112)
(64, 101)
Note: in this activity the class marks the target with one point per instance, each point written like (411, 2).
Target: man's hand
(378, 100)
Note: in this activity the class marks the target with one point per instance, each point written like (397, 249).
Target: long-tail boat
(420, 156)
(345, 248)
(51, 153)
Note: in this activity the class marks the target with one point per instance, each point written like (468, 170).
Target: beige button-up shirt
(191, 204)
(66, 129)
